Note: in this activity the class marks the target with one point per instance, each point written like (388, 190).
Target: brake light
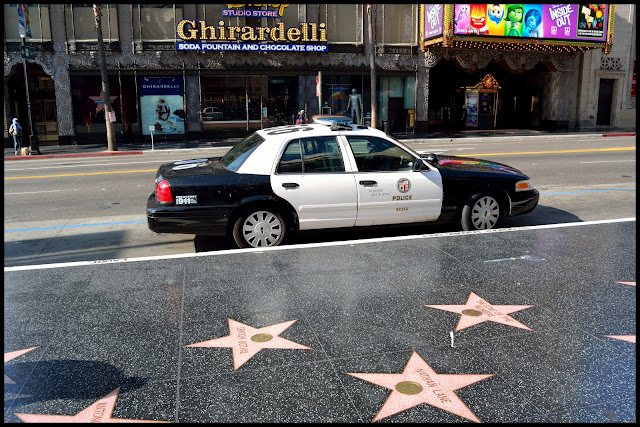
(163, 192)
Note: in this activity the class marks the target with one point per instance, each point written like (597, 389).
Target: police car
(317, 176)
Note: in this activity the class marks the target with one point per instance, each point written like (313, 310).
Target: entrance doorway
(605, 97)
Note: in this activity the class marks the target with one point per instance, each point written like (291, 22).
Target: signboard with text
(198, 35)
(162, 105)
(433, 14)
(570, 22)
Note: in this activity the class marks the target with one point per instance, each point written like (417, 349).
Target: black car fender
(457, 192)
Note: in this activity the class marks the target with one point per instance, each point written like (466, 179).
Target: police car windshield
(240, 152)
(406, 147)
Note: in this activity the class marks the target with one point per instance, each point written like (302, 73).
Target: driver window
(376, 154)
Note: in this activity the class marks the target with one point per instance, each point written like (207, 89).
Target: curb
(51, 156)
(619, 134)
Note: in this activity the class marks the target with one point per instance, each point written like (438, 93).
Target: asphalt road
(85, 209)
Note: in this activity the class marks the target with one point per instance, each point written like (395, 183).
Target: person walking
(300, 118)
(15, 130)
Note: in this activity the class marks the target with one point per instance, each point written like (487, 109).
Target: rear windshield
(240, 152)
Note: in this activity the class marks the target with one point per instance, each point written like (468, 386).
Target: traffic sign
(28, 52)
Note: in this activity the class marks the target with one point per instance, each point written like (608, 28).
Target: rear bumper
(204, 220)
(524, 202)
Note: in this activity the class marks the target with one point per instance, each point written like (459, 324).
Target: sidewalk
(137, 147)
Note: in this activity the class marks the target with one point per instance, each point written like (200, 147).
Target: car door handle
(290, 185)
(368, 183)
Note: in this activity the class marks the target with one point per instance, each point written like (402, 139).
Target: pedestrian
(15, 130)
(300, 118)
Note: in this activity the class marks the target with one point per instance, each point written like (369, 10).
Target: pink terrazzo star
(98, 412)
(99, 100)
(12, 355)
(629, 338)
(628, 283)
(419, 383)
(477, 310)
(246, 341)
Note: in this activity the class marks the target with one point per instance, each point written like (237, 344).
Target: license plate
(187, 200)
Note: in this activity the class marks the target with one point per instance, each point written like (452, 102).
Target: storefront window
(156, 22)
(88, 105)
(80, 22)
(39, 18)
(226, 100)
(344, 22)
(396, 23)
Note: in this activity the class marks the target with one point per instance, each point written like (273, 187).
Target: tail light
(163, 192)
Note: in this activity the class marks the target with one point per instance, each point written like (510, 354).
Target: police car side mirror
(418, 165)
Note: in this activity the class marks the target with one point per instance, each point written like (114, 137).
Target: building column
(426, 61)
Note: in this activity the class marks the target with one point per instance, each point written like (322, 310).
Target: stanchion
(151, 128)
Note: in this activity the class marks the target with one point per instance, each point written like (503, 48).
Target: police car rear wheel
(481, 212)
(261, 227)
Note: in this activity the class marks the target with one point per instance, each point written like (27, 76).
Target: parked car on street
(212, 113)
(284, 179)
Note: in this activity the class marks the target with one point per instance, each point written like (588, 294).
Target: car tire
(260, 227)
(483, 211)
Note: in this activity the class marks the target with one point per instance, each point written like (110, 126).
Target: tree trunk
(112, 144)
(371, 15)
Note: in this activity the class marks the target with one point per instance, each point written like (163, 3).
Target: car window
(311, 155)
(374, 154)
(291, 160)
(238, 154)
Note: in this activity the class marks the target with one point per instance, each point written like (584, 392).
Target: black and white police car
(304, 177)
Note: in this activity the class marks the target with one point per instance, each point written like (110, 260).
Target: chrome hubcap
(262, 228)
(484, 214)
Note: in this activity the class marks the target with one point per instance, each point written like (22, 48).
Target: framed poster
(162, 105)
(471, 102)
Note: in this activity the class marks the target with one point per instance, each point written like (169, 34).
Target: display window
(232, 102)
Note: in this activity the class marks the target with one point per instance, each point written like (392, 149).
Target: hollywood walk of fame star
(98, 412)
(419, 383)
(99, 100)
(477, 310)
(628, 283)
(246, 341)
(629, 338)
(12, 355)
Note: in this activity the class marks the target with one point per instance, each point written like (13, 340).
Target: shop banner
(433, 20)
(24, 23)
(162, 105)
(571, 22)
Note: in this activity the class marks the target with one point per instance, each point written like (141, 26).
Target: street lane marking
(587, 191)
(557, 152)
(35, 192)
(313, 245)
(79, 165)
(74, 226)
(611, 161)
(80, 174)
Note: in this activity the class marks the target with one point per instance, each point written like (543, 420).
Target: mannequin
(355, 102)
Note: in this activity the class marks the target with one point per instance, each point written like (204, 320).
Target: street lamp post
(33, 142)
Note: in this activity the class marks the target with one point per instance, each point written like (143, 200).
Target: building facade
(248, 73)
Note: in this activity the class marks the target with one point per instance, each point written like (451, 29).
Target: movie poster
(162, 105)
(577, 22)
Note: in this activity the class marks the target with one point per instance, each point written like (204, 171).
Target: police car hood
(193, 167)
(469, 164)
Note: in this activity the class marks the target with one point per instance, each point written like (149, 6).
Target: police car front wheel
(482, 211)
(259, 227)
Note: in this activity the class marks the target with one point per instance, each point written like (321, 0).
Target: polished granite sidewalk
(514, 325)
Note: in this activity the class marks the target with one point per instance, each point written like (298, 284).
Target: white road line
(35, 192)
(313, 245)
(610, 161)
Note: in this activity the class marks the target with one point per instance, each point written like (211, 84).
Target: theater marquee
(540, 27)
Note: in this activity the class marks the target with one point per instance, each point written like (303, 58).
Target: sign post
(151, 128)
